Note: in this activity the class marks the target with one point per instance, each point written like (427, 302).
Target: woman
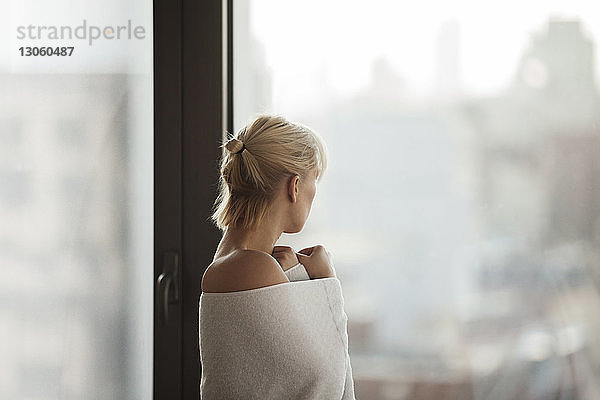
(272, 321)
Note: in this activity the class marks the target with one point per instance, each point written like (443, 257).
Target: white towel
(286, 341)
(297, 273)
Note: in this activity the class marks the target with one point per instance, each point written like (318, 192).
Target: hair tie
(242, 149)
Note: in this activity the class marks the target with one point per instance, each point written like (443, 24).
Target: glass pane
(462, 199)
(76, 200)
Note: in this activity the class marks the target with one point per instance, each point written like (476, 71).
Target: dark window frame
(192, 113)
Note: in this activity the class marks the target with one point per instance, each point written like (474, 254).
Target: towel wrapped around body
(285, 341)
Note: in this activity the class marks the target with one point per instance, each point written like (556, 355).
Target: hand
(285, 256)
(316, 261)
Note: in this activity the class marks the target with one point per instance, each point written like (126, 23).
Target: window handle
(167, 285)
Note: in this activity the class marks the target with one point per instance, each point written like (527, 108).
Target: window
(76, 239)
(461, 201)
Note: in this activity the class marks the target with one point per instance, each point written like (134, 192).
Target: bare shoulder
(242, 270)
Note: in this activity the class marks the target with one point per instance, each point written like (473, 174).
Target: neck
(262, 237)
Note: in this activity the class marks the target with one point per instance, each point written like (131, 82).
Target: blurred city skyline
(482, 42)
(464, 224)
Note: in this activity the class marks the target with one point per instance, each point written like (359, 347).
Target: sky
(336, 39)
(342, 38)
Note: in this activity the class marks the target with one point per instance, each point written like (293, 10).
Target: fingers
(279, 249)
(305, 251)
(308, 251)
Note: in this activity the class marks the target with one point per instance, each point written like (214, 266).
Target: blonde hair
(256, 161)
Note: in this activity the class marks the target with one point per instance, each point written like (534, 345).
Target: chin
(295, 229)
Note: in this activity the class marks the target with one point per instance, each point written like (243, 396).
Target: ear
(293, 187)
